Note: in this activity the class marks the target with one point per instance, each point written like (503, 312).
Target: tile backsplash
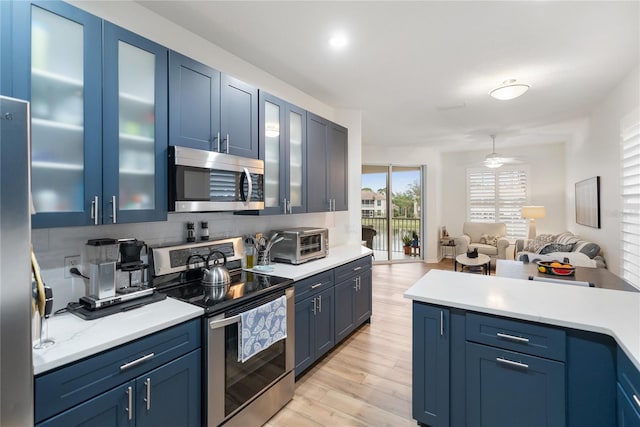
(52, 245)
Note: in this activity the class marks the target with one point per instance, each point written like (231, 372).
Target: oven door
(233, 385)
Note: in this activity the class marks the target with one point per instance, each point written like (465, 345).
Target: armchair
(489, 238)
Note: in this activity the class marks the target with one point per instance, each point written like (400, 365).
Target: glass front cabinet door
(283, 149)
(81, 114)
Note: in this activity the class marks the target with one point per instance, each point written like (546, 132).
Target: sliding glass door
(391, 199)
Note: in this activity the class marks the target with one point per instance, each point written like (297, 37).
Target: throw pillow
(537, 243)
(488, 239)
(554, 247)
(588, 248)
(567, 238)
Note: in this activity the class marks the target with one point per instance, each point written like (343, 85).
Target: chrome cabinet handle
(136, 362)
(289, 206)
(94, 210)
(147, 385)
(130, 403)
(227, 144)
(316, 285)
(513, 338)
(218, 142)
(441, 323)
(637, 400)
(512, 363)
(113, 209)
(284, 205)
(314, 306)
(319, 303)
(356, 283)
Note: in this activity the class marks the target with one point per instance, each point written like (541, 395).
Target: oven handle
(215, 324)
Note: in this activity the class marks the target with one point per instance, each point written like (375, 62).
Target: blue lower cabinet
(431, 383)
(166, 396)
(314, 329)
(628, 415)
(505, 388)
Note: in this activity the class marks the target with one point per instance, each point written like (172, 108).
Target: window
(497, 196)
(630, 192)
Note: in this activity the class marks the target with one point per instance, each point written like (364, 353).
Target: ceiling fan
(494, 160)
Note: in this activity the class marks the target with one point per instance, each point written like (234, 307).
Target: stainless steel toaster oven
(301, 244)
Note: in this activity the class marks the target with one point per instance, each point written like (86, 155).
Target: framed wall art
(588, 202)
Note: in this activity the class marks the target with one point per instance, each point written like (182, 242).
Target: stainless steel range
(236, 393)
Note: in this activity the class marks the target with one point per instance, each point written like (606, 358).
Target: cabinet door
(110, 409)
(324, 323)
(305, 341)
(431, 340)
(628, 415)
(345, 294)
(135, 128)
(194, 104)
(57, 65)
(273, 153)
(363, 298)
(5, 48)
(296, 119)
(337, 163)
(170, 395)
(317, 130)
(506, 387)
(238, 117)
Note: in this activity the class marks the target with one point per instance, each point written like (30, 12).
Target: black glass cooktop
(245, 286)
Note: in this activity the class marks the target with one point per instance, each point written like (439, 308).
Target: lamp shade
(532, 212)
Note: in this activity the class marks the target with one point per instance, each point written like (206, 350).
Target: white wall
(52, 245)
(546, 184)
(597, 153)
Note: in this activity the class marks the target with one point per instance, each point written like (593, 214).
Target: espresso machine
(105, 272)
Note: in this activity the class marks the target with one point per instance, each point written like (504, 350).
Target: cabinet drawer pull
(147, 385)
(136, 362)
(637, 400)
(357, 268)
(513, 338)
(512, 363)
(316, 285)
(130, 403)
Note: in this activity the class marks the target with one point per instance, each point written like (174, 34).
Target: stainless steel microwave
(207, 181)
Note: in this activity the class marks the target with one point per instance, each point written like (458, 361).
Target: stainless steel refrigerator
(16, 367)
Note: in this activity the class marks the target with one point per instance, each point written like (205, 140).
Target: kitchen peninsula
(491, 350)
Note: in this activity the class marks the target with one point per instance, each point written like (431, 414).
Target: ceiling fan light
(509, 90)
(493, 161)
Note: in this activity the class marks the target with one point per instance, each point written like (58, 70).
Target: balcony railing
(400, 227)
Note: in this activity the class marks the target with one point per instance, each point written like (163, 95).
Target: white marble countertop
(337, 256)
(76, 338)
(606, 311)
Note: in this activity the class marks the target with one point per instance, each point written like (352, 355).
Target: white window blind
(497, 196)
(630, 192)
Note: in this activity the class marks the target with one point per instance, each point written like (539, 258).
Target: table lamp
(532, 213)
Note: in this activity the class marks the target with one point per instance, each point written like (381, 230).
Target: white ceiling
(420, 71)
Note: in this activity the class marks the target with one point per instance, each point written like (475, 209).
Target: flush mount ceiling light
(338, 41)
(509, 89)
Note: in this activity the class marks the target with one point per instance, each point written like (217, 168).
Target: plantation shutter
(630, 192)
(497, 196)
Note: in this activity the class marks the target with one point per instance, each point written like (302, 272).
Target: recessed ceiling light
(338, 41)
(509, 89)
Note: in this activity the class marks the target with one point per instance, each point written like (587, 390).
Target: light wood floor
(366, 380)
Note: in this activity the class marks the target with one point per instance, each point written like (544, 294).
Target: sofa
(488, 238)
(563, 247)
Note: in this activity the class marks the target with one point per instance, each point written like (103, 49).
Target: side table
(444, 244)
(482, 261)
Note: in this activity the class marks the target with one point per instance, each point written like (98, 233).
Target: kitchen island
(488, 348)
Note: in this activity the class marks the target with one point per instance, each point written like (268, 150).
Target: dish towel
(260, 327)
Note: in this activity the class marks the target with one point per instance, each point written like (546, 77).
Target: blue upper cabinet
(211, 111)
(5, 48)
(134, 129)
(99, 134)
(194, 109)
(238, 117)
(57, 65)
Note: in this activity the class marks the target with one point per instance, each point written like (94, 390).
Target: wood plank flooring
(366, 380)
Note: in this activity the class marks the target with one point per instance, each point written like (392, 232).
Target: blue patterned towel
(260, 327)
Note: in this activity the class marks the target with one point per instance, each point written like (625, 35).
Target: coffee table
(482, 261)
